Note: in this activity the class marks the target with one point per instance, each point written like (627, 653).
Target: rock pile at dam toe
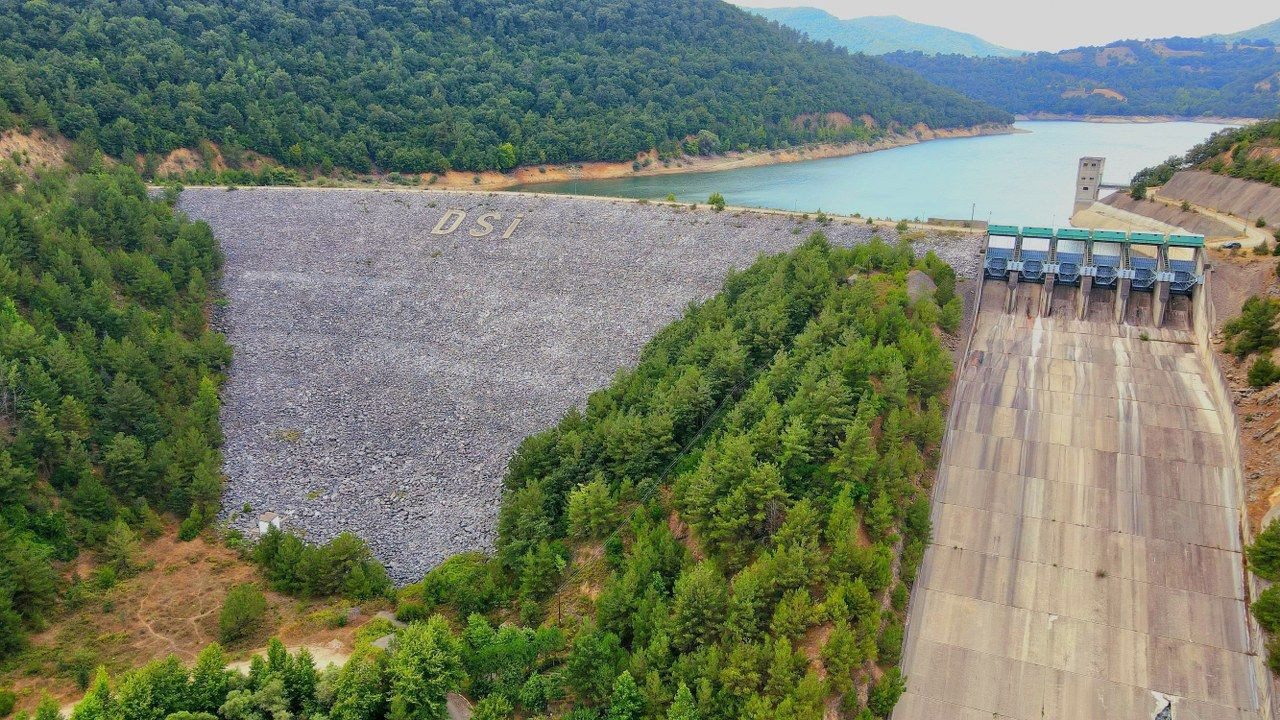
(392, 349)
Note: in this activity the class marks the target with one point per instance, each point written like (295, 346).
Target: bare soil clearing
(169, 608)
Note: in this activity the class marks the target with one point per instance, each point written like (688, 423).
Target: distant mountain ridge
(1266, 31)
(881, 34)
(1180, 77)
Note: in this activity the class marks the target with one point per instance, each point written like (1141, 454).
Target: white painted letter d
(457, 216)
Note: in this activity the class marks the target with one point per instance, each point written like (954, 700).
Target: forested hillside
(728, 531)
(1174, 76)
(731, 528)
(108, 380)
(880, 34)
(1250, 153)
(416, 86)
(1265, 31)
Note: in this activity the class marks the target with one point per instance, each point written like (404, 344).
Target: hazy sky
(1058, 24)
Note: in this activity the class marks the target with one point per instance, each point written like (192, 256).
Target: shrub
(952, 314)
(191, 526)
(242, 612)
(465, 582)
(1264, 553)
(1263, 372)
(1267, 609)
(1262, 222)
(716, 201)
(1255, 328)
(342, 566)
(7, 700)
(885, 693)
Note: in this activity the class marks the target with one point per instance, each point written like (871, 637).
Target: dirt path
(1256, 235)
(335, 653)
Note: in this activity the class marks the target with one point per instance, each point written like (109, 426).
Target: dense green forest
(108, 380)
(414, 86)
(1174, 76)
(729, 530)
(1230, 152)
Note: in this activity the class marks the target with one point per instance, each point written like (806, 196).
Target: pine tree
(98, 702)
(121, 548)
(884, 694)
(126, 465)
(425, 665)
(359, 692)
(210, 680)
(626, 702)
(592, 510)
(699, 605)
(841, 655)
(683, 707)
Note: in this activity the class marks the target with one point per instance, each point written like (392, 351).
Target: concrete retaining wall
(1204, 320)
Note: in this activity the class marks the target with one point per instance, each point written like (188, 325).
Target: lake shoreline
(540, 174)
(1133, 119)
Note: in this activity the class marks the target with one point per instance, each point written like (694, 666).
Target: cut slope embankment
(1172, 215)
(1243, 198)
(393, 348)
(1086, 560)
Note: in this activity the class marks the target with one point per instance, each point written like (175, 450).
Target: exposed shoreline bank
(538, 174)
(1134, 119)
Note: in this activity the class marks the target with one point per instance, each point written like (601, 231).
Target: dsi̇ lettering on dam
(484, 224)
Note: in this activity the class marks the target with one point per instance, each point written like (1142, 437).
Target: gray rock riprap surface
(383, 374)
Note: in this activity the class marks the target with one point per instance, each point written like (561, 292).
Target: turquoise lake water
(1024, 178)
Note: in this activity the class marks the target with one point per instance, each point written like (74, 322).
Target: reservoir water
(1023, 178)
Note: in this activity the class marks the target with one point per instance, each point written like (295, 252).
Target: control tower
(1088, 179)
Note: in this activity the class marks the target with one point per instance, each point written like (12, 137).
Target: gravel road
(384, 373)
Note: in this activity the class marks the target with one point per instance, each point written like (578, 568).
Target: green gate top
(1146, 238)
(1187, 240)
(1037, 232)
(1002, 229)
(1073, 234)
(1109, 236)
